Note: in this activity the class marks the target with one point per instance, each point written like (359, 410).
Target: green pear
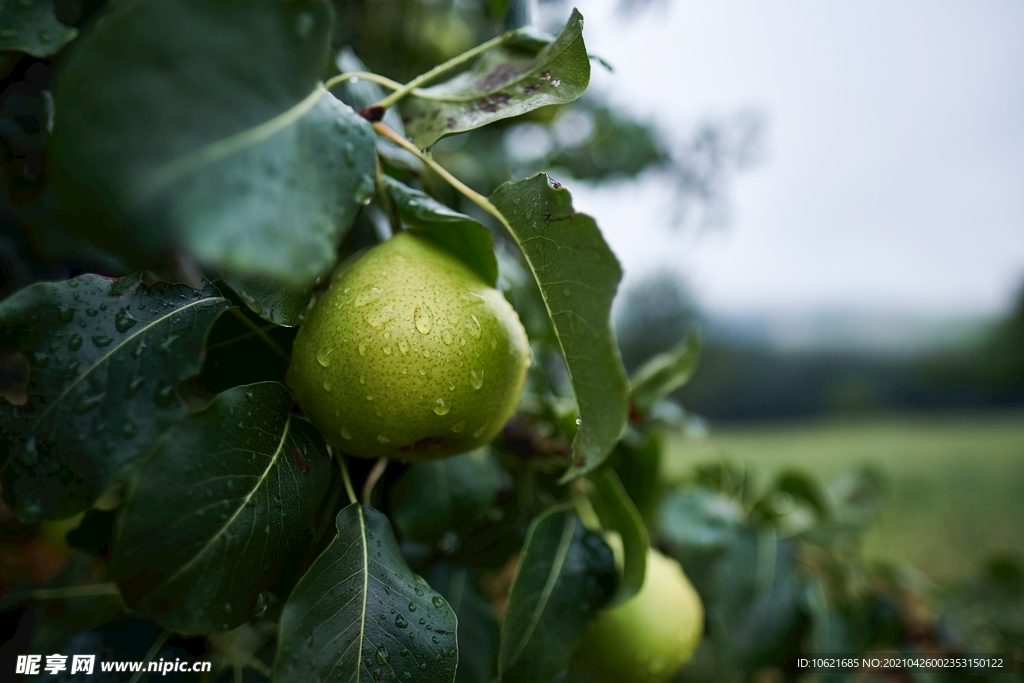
(650, 637)
(410, 355)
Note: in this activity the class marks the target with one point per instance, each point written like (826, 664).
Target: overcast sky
(894, 174)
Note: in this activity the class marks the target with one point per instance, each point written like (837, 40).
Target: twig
(348, 482)
(258, 331)
(470, 193)
(363, 76)
(157, 644)
(372, 479)
(241, 337)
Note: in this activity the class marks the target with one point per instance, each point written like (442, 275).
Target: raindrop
(227, 607)
(385, 316)
(164, 394)
(387, 335)
(494, 343)
(476, 378)
(412, 607)
(261, 604)
(438, 601)
(434, 639)
(480, 432)
(369, 397)
(458, 426)
(440, 407)
(345, 434)
(304, 24)
(65, 313)
(383, 438)
(101, 341)
(403, 346)
(124, 321)
(75, 342)
(423, 621)
(140, 347)
(406, 675)
(426, 353)
(387, 350)
(362, 348)
(29, 456)
(362, 378)
(423, 319)
(350, 153)
(451, 386)
(327, 385)
(578, 422)
(369, 296)
(91, 312)
(323, 356)
(401, 622)
(382, 655)
(419, 591)
(473, 326)
(85, 403)
(364, 192)
(462, 341)
(446, 337)
(128, 429)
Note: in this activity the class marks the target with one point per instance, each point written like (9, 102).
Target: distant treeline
(738, 381)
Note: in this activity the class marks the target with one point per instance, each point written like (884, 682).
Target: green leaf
(106, 358)
(212, 515)
(454, 493)
(478, 631)
(273, 300)
(578, 276)
(457, 233)
(565, 575)
(664, 373)
(360, 614)
(30, 26)
(617, 513)
(203, 126)
(504, 82)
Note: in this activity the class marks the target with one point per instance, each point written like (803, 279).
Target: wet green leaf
(434, 497)
(457, 233)
(273, 300)
(664, 373)
(578, 276)
(478, 630)
(360, 613)
(203, 126)
(618, 514)
(212, 515)
(30, 26)
(565, 575)
(106, 358)
(504, 82)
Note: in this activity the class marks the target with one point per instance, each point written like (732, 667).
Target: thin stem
(84, 591)
(258, 331)
(372, 479)
(442, 69)
(348, 482)
(470, 193)
(364, 76)
(241, 337)
(157, 644)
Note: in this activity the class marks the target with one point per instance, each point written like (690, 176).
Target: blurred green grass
(956, 481)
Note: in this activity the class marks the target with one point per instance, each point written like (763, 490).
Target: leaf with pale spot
(227, 495)
(504, 82)
(30, 26)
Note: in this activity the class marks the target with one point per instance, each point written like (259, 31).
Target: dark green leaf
(478, 631)
(618, 514)
(457, 233)
(204, 126)
(212, 515)
(30, 26)
(504, 82)
(664, 373)
(578, 276)
(272, 299)
(433, 497)
(360, 613)
(565, 575)
(106, 358)
(698, 520)
(638, 462)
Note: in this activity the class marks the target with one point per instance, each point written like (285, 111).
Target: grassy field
(956, 489)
